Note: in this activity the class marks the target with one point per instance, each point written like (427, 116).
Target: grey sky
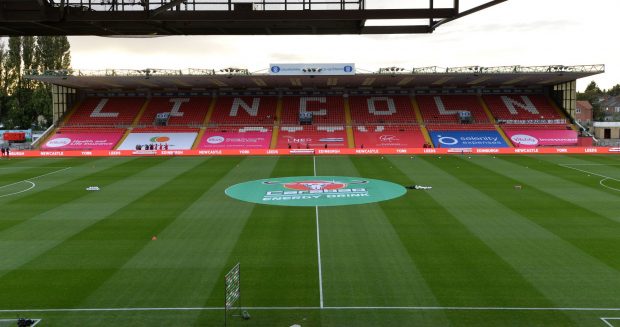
(517, 32)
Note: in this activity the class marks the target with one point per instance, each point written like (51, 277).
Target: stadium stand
(249, 121)
(106, 112)
(443, 109)
(522, 107)
(245, 110)
(184, 111)
(326, 110)
(382, 110)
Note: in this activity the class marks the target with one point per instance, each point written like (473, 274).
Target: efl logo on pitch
(314, 185)
(306, 191)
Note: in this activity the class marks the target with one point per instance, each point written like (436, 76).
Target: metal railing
(552, 69)
(194, 5)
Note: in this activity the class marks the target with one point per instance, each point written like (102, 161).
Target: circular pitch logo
(58, 143)
(310, 191)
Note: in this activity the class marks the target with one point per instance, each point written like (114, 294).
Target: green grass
(473, 251)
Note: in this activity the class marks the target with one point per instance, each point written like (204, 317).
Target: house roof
(584, 105)
(611, 102)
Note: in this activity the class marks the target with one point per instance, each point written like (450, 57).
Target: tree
(53, 52)
(614, 91)
(22, 101)
(3, 86)
(593, 88)
(13, 64)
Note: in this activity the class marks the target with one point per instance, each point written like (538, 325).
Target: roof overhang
(240, 79)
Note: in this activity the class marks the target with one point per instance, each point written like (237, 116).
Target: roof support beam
(466, 12)
(165, 7)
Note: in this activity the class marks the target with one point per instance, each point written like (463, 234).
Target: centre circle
(310, 191)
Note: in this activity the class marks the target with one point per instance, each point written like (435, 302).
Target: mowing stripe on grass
(56, 190)
(459, 268)
(182, 265)
(34, 237)
(562, 272)
(277, 250)
(572, 207)
(364, 262)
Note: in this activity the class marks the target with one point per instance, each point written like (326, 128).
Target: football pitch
(497, 241)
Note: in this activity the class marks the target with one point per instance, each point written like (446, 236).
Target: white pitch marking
(318, 246)
(399, 308)
(595, 174)
(578, 164)
(607, 322)
(36, 321)
(609, 187)
(32, 185)
(318, 243)
(26, 180)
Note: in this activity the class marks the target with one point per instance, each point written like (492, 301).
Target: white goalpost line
(318, 243)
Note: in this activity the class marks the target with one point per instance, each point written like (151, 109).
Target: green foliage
(24, 102)
(614, 91)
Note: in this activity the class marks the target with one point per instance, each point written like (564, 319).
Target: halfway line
(403, 308)
(318, 243)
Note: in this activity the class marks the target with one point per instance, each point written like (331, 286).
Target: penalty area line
(601, 182)
(352, 308)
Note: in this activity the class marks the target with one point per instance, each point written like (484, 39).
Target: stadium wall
(342, 151)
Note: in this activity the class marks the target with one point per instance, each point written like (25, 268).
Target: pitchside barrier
(344, 151)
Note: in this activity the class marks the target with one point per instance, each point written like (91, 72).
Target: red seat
(521, 107)
(326, 110)
(244, 110)
(106, 112)
(444, 109)
(184, 111)
(381, 110)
